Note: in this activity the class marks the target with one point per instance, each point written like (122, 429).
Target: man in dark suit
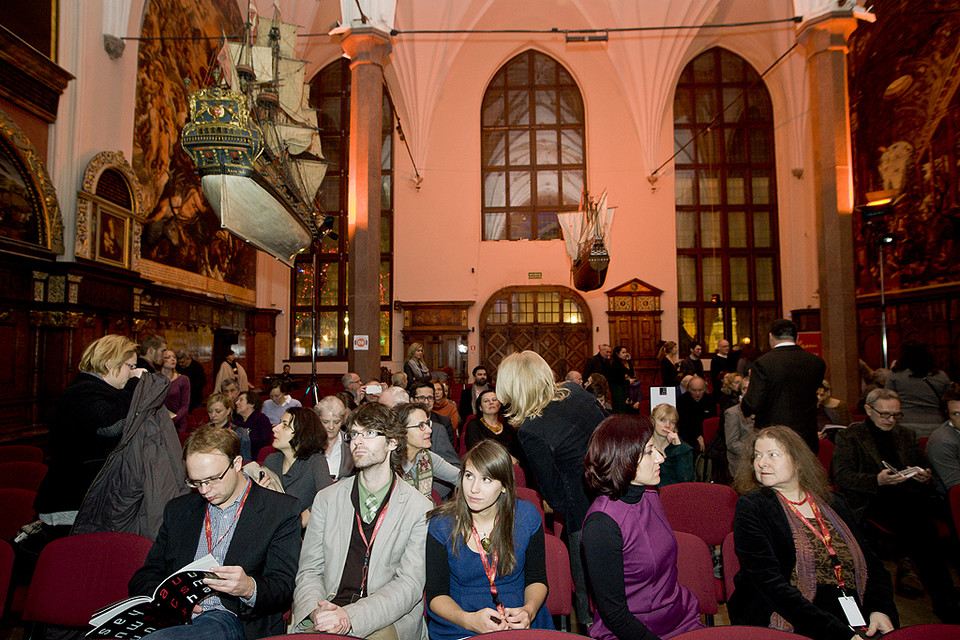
(252, 532)
(601, 363)
(469, 395)
(783, 385)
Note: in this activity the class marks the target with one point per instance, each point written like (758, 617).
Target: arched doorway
(553, 321)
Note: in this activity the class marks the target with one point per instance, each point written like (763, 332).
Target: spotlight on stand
(879, 204)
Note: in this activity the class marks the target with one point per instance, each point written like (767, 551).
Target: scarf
(420, 474)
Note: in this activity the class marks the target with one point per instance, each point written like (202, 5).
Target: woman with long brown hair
(486, 564)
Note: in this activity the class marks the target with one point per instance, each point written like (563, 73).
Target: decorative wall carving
(106, 231)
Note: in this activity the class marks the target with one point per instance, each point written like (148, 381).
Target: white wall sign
(361, 343)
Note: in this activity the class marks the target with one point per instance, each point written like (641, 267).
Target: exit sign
(535, 275)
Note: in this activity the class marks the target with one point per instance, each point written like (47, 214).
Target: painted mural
(182, 230)
(905, 123)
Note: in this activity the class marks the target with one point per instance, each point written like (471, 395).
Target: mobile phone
(373, 388)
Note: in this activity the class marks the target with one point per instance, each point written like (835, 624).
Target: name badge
(852, 611)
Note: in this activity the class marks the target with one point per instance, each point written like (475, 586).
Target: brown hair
(309, 437)
(614, 452)
(373, 415)
(490, 459)
(810, 473)
(212, 439)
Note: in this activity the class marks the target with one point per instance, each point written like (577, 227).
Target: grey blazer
(397, 574)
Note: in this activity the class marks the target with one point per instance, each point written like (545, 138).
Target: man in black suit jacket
(783, 385)
(601, 363)
(470, 393)
(254, 534)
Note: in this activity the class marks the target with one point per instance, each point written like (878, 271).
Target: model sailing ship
(587, 236)
(255, 142)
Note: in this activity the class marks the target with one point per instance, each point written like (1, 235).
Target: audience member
(830, 410)
(800, 549)
(332, 413)
(632, 556)
(443, 406)
(574, 377)
(897, 500)
(677, 465)
(249, 417)
(783, 385)
(220, 409)
(692, 364)
(351, 395)
(151, 353)
(231, 389)
(189, 367)
(506, 534)
(600, 363)
(621, 377)
(421, 466)
(256, 530)
(468, 397)
(748, 353)
(669, 358)
(289, 382)
(694, 407)
(487, 425)
(870, 379)
(597, 385)
(177, 400)
(87, 425)
(554, 423)
(299, 461)
(443, 438)
(729, 392)
(415, 367)
(721, 364)
(943, 448)
(399, 379)
(738, 431)
(279, 403)
(393, 396)
(919, 385)
(341, 586)
(232, 369)
(370, 392)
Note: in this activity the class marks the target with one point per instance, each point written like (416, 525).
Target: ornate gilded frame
(93, 210)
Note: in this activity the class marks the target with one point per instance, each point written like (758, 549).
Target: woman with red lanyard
(486, 566)
(804, 565)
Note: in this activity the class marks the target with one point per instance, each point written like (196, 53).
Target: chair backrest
(731, 564)
(701, 508)
(435, 496)
(22, 475)
(6, 571)
(16, 510)
(527, 634)
(264, 452)
(20, 453)
(710, 428)
(825, 456)
(560, 596)
(922, 443)
(79, 574)
(925, 632)
(695, 570)
(519, 476)
(737, 633)
(531, 496)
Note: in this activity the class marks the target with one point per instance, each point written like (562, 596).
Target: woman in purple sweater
(177, 401)
(632, 556)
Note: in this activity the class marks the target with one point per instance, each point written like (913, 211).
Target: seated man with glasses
(362, 566)
(253, 533)
(881, 473)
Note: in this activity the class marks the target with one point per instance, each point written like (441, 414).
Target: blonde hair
(332, 404)
(412, 351)
(107, 354)
(526, 382)
(665, 412)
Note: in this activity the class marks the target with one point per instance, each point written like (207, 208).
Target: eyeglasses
(423, 426)
(198, 484)
(132, 367)
(366, 434)
(423, 398)
(886, 415)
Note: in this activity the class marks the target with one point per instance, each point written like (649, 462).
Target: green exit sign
(535, 275)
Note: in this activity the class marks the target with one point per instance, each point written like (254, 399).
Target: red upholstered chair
(79, 574)
(731, 564)
(16, 510)
(531, 496)
(435, 496)
(559, 600)
(264, 452)
(701, 508)
(20, 453)
(695, 571)
(710, 428)
(825, 456)
(22, 475)
(926, 632)
(6, 571)
(737, 633)
(922, 443)
(309, 636)
(519, 476)
(529, 634)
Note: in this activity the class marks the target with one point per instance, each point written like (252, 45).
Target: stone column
(367, 49)
(825, 40)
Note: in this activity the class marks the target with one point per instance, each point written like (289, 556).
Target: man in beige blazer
(362, 562)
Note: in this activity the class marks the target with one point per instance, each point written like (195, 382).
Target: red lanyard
(823, 536)
(373, 536)
(208, 529)
(490, 568)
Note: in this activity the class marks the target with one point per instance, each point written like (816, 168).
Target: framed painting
(112, 238)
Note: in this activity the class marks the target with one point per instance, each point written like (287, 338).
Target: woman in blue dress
(486, 566)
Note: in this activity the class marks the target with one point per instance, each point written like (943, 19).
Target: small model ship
(256, 145)
(586, 233)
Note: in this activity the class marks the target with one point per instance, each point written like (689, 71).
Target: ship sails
(587, 236)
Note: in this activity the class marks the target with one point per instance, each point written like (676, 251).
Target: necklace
(806, 496)
(494, 428)
(485, 542)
